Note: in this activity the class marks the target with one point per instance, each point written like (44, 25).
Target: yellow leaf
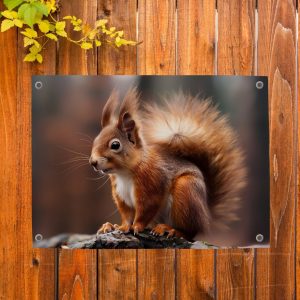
(44, 26)
(112, 28)
(68, 18)
(51, 5)
(100, 23)
(97, 43)
(51, 36)
(39, 58)
(8, 14)
(18, 23)
(120, 33)
(51, 27)
(60, 26)
(35, 50)
(92, 35)
(28, 41)
(14, 14)
(29, 33)
(61, 33)
(37, 44)
(86, 45)
(6, 24)
(30, 57)
(77, 28)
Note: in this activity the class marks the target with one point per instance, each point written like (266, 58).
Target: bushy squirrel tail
(193, 128)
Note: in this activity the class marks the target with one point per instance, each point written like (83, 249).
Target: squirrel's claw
(161, 229)
(137, 227)
(105, 228)
(125, 228)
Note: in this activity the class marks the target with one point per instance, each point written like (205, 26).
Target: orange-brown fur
(178, 168)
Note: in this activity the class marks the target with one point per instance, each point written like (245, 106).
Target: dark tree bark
(118, 240)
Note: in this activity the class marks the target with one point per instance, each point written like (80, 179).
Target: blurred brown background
(68, 196)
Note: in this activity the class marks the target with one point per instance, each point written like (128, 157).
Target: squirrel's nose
(94, 163)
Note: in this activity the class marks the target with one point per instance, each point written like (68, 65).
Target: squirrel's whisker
(73, 168)
(73, 160)
(102, 185)
(72, 151)
(85, 135)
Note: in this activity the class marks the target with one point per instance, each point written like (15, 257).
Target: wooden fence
(232, 37)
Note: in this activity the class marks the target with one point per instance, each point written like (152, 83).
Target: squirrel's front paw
(137, 227)
(105, 228)
(124, 227)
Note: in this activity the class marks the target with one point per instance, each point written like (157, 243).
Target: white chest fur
(124, 189)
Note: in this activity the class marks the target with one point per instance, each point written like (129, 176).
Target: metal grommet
(38, 85)
(259, 238)
(38, 237)
(259, 85)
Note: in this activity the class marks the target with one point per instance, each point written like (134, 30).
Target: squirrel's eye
(115, 145)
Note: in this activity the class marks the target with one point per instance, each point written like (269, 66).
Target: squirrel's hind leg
(190, 212)
(161, 229)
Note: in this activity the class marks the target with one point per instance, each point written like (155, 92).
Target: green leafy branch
(39, 24)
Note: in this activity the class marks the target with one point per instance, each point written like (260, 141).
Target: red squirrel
(175, 168)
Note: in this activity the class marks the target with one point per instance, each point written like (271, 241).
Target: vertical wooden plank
(195, 55)
(117, 274)
(195, 274)
(156, 55)
(72, 60)
(196, 37)
(31, 274)
(236, 45)
(298, 171)
(117, 268)
(236, 35)
(77, 269)
(156, 274)
(277, 58)
(122, 15)
(9, 253)
(77, 274)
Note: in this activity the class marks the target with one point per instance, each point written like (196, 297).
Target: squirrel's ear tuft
(128, 114)
(130, 104)
(110, 108)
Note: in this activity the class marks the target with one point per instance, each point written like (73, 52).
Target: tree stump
(119, 240)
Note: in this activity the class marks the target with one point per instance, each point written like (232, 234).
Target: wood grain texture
(195, 274)
(196, 37)
(117, 273)
(236, 37)
(72, 60)
(121, 14)
(235, 274)
(195, 55)
(156, 274)
(236, 48)
(298, 179)
(156, 55)
(77, 272)
(277, 59)
(33, 269)
(9, 253)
